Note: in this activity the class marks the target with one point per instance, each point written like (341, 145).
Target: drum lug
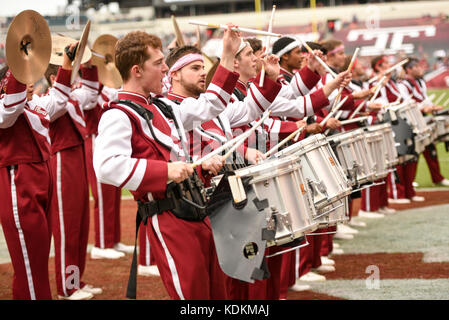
(285, 219)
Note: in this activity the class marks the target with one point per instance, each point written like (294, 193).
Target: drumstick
(357, 110)
(198, 37)
(266, 44)
(354, 56)
(246, 135)
(325, 66)
(342, 102)
(397, 65)
(280, 144)
(353, 120)
(225, 27)
(377, 89)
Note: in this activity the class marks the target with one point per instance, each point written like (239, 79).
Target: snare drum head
(302, 146)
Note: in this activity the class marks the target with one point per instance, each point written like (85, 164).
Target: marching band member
(71, 213)
(375, 199)
(26, 185)
(106, 197)
(134, 153)
(414, 86)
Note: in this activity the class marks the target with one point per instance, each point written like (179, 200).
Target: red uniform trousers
(146, 257)
(404, 189)
(26, 195)
(186, 257)
(106, 204)
(267, 289)
(431, 156)
(327, 241)
(289, 271)
(70, 218)
(375, 197)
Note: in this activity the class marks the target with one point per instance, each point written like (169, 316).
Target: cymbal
(208, 62)
(103, 57)
(58, 44)
(179, 37)
(80, 52)
(28, 46)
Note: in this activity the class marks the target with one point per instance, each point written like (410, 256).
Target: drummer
(414, 86)
(375, 199)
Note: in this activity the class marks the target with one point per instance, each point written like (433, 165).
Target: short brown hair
(52, 69)
(256, 44)
(180, 52)
(376, 61)
(331, 44)
(132, 50)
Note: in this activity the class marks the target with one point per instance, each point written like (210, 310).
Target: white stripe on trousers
(26, 259)
(367, 199)
(61, 218)
(393, 186)
(296, 263)
(100, 203)
(171, 262)
(147, 249)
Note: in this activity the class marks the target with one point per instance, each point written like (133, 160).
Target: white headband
(288, 48)
(243, 45)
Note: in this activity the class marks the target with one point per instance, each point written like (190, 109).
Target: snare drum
(323, 173)
(352, 151)
(442, 125)
(282, 184)
(337, 212)
(415, 118)
(377, 141)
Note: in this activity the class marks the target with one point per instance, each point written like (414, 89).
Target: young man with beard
(136, 141)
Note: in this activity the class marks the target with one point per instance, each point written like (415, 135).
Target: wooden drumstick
(246, 135)
(280, 144)
(397, 65)
(266, 44)
(225, 27)
(342, 102)
(357, 110)
(354, 56)
(325, 66)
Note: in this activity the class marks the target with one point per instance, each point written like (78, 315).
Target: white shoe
(90, 289)
(324, 269)
(346, 229)
(337, 251)
(444, 182)
(123, 248)
(335, 245)
(399, 201)
(418, 199)
(415, 184)
(77, 295)
(327, 262)
(299, 287)
(147, 270)
(386, 210)
(312, 276)
(355, 223)
(343, 236)
(370, 214)
(109, 253)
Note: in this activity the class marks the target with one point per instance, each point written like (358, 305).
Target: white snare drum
(324, 175)
(352, 151)
(337, 212)
(281, 182)
(414, 117)
(382, 146)
(442, 125)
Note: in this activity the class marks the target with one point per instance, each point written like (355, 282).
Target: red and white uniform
(128, 156)
(27, 185)
(70, 218)
(417, 90)
(106, 197)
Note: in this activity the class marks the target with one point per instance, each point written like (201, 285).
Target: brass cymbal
(208, 62)
(80, 52)
(58, 44)
(103, 57)
(28, 46)
(179, 37)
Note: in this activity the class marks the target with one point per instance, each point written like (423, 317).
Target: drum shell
(281, 182)
(352, 151)
(322, 171)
